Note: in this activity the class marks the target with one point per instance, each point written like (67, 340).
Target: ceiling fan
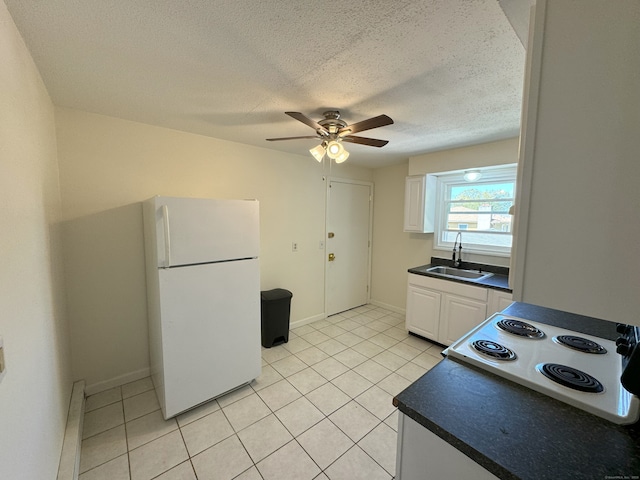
(332, 131)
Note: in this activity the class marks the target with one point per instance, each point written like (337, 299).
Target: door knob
(332, 257)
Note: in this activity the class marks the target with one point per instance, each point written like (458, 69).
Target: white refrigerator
(203, 297)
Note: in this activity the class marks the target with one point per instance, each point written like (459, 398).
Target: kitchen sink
(459, 273)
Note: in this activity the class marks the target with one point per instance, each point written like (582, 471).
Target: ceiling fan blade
(375, 122)
(306, 120)
(290, 138)
(372, 142)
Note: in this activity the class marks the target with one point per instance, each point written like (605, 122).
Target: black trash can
(275, 309)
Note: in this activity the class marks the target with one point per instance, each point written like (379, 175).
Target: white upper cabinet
(419, 203)
(577, 244)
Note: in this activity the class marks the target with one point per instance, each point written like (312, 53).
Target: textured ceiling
(449, 72)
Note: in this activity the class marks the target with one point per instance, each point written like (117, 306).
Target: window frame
(446, 180)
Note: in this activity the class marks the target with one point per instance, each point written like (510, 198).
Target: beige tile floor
(320, 410)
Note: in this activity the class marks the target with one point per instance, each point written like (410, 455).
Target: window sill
(474, 251)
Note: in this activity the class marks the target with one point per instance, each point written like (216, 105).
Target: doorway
(348, 247)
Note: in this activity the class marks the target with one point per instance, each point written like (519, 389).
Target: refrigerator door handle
(167, 236)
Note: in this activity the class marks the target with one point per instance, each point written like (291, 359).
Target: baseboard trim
(69, 467)
(117, 381)
(322, 316)
(386, 306)
(305, 321)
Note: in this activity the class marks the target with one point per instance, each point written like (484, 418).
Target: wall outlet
(294, 247)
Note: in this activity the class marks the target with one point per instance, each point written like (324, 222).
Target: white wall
(395, 251)
(484, 155)
(107, 166)
(579, 190)
(35, 392)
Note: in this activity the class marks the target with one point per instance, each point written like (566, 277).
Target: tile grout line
(126, 439)
(189, 457)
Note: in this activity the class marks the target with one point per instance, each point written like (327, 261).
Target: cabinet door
(459, 315)
(422, 454)
(498, 301)
(414, 203)
(419, 203)
(423, 311)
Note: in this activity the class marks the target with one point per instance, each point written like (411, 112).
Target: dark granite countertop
(498, 281)
(515, 432)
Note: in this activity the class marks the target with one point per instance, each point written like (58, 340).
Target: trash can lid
(275, 294)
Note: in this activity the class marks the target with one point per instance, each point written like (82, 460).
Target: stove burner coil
(493, 350)
(581, 344)
(520, 328)
(570, 377)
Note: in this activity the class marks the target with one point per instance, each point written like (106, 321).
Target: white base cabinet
(423, 455)
(443, 311)
(425, 307)
(459, 315)
(498, 301)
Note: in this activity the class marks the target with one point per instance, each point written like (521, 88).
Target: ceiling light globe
(472, 175)
(342, 157)
(334, 149)
(318, 152)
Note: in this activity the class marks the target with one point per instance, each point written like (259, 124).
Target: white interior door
(348, 244)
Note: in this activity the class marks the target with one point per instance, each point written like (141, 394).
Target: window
(479, 209)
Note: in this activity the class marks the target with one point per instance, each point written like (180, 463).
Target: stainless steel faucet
(457, 262)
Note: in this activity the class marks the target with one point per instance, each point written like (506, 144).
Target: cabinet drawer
(455, 288)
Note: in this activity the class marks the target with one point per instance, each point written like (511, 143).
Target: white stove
(578, 369)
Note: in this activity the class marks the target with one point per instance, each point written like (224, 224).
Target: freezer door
(210, 322)
(193, 230)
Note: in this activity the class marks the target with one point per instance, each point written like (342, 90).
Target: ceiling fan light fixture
(318, 152)
(342, 157)
(332, 130)
(334, 149)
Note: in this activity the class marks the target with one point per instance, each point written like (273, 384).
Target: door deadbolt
(331, 235)
(332, 257)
